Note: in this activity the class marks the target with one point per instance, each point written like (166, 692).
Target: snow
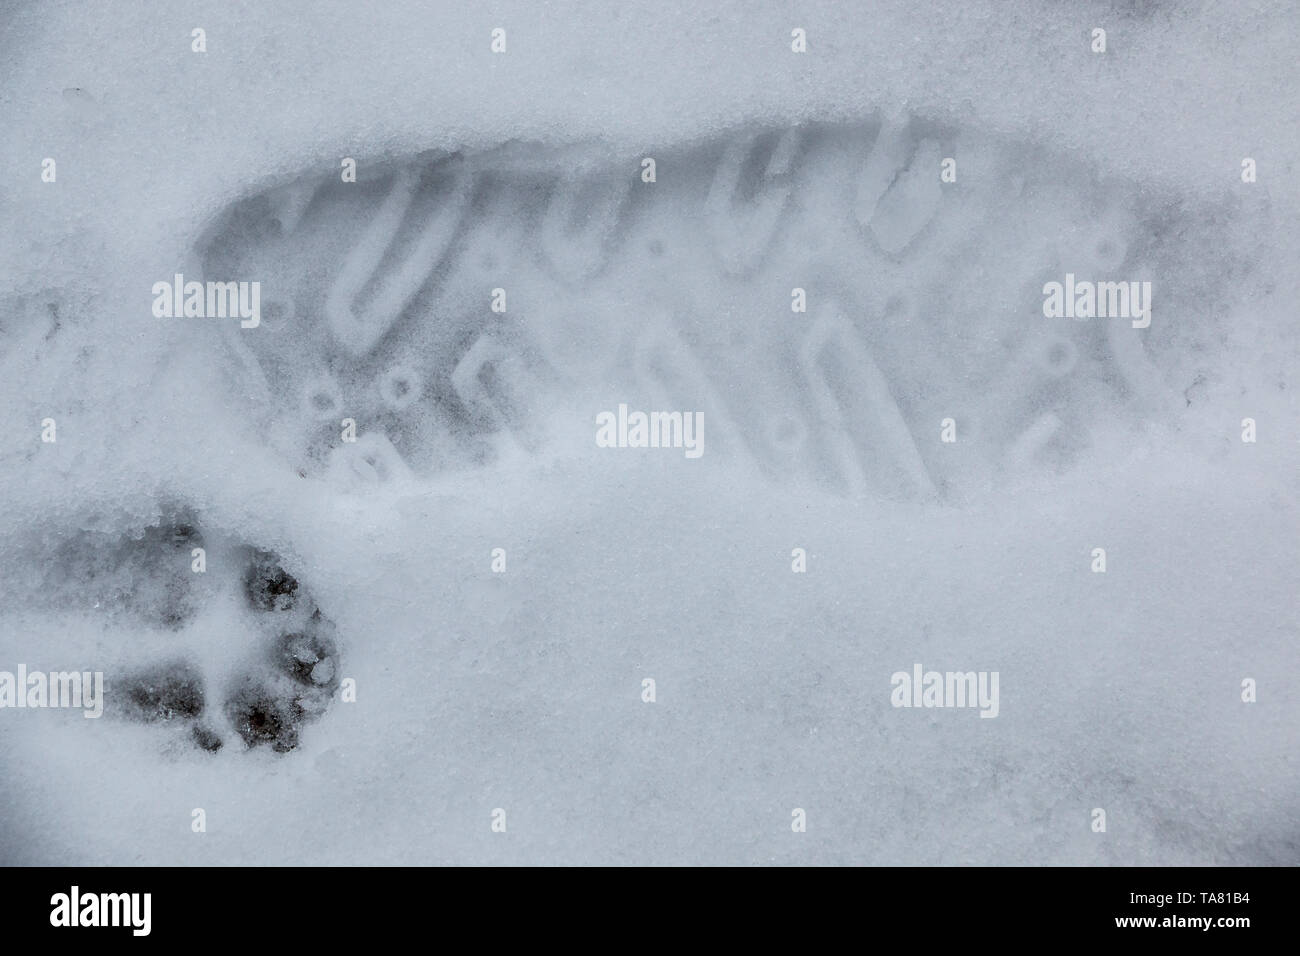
(522, 690)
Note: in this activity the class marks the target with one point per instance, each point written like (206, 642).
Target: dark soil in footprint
(268, 586)
(261, 716)
(206, 738)
(171, 691)
(146, 580)
(293, 684)
(310, 656)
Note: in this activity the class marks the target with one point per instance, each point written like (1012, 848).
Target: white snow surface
(522, 691)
